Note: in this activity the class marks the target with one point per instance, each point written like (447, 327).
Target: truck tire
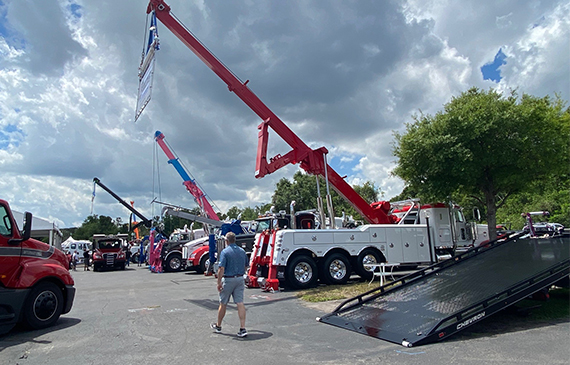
(336, 269)
(367, 256)
(302, 272)
(43, 305)
(174, 263)
(203, 265)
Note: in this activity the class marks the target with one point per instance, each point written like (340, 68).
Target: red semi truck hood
(36, 249)
(38, 259)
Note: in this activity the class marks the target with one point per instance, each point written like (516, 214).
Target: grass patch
(324, 293)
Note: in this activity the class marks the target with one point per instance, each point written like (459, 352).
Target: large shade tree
(484, 145)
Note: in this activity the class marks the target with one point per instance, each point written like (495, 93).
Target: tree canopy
(485, 146)
(303, 190)
(99, 224)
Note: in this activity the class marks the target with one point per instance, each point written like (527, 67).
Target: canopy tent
(41, 228)
(68, 243)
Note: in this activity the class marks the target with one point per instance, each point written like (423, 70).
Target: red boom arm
(310, 160)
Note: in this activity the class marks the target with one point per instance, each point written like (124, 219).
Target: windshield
(262, 225)
(109, 244)
(5, 225)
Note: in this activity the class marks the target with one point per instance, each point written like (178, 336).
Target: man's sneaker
(216, 328)
(242, 332)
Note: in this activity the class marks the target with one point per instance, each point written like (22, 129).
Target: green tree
(249, 214)
(485, 146)
(303, 190)
(95, 224)
(552, 195)
(233, 212)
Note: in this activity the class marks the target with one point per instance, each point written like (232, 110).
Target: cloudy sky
(340, 74)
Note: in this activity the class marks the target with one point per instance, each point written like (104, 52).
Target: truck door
(461, 229)
(9, 253)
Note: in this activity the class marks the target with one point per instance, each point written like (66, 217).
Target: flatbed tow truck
(443, 299)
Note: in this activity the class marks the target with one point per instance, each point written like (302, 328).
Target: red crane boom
(312, 161)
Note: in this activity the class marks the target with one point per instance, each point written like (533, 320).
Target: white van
(79, 246)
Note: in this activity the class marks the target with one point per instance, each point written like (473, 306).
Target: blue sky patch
(3, 20)
(10, 134)
(13, 39)
(491, 71)
(75, 10)
(344, 164)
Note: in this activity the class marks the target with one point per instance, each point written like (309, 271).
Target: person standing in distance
(231, 268)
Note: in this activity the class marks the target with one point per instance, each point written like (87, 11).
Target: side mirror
(476, 214)
(27, 230)
(27, 226)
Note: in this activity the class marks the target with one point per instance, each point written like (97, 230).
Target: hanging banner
(146, 69)
(145, 88)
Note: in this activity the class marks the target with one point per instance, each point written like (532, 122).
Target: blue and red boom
(190, 183)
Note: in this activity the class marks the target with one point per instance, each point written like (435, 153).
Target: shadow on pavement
(20, 334)
(213, 304)
(252, 335)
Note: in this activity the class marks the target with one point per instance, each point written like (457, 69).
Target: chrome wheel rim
(337, 269)
(369, 259)
(303, 272)
(175, 263)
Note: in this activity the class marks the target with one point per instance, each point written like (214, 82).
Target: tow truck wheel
(368, 256)
(302, 272)
(43, 305)
(203, 266)
(336, 269)
(174, 263)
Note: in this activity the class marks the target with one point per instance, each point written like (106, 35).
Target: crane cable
(155, 173)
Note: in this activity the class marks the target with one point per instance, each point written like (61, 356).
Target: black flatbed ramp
(441, 300)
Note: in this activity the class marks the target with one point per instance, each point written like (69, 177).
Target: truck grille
(109, 258)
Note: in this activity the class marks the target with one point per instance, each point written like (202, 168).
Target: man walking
(85, 260)
(232, 266)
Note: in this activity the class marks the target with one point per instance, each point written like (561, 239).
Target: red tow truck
(108, 251)
(35, 284)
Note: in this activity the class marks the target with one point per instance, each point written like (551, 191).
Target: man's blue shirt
(234, 260)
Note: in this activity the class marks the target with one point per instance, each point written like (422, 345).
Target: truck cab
(108, 252)
(35, 284)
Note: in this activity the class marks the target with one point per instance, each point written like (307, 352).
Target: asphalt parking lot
(137, 317)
